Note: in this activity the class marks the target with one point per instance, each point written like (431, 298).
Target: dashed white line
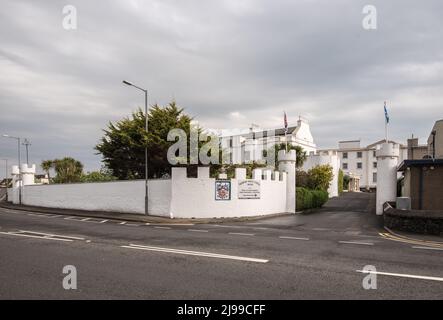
(85, 219)
(194, 253)
(157, 227)
(52, 235)
(197, 230)
(427, 248)
(241, 234)
(293, 238)
(357, 242)
(123, 222)
(413, 276)
(32, 236)
(103, 221)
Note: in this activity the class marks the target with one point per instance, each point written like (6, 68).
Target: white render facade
(246, 147)
(360, 163)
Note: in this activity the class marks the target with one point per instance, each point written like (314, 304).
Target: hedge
(309, 199)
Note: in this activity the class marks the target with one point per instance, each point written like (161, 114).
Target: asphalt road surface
(316, 256)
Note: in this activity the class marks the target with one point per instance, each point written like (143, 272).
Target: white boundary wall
(178, 197)
(195, 197)
(118, 196)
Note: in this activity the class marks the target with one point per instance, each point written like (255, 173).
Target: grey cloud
(251, 58)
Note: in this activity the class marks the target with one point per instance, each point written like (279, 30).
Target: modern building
(360, 163)
(249, 146)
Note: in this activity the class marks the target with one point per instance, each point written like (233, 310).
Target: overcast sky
(228, 63)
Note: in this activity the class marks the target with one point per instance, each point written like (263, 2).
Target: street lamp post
(19, 169)
(6, 177)
(146, 146)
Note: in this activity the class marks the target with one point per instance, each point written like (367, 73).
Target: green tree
(123, 144)
(320, 177)
(300, 153)
(46, 166)
(102, 175)
(68, 170)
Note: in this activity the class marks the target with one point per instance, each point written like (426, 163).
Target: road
(312, 256)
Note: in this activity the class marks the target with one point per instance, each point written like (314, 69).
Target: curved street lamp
(146, 147)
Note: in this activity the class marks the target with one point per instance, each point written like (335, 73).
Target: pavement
(316, 256)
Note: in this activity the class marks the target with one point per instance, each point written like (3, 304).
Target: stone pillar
(387, 161)
(286, 163)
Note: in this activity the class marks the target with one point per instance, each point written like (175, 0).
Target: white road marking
(31, 236)
(194, 253)
(147, 224)
(357, 242)
(222, 226)
(161, 227)
(260, 228)
(124, 222)
(293, 238)
(52, 235)
(197, 230)
(173, 224)
(413, 276)
(85, 219)
(75, 218)
(241, 234)
(103, 221)
(427, 248)
(35, 214)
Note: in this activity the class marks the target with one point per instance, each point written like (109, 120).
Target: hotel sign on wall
(249, 189)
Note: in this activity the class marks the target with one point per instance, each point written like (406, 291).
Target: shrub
(309, 199)
(340, 181)
(301, 179)
(320, 177)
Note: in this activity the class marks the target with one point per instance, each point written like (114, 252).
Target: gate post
(286, 163)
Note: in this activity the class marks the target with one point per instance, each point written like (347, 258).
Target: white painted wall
(178, 197)
(120, 196)
(195, 197)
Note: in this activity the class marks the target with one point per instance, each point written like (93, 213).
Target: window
(345, 166)
(230, 143)
(359, 165)
(374, 154)
(359, 154)
(345, 155)
(374, 177)
(374, 165)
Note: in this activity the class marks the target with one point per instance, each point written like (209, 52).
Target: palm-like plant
(46, 166)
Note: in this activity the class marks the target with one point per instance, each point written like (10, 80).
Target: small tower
(28, 173)
(387, 161)
(286, 163)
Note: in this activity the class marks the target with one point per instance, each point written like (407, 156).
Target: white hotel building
(360, 163)
(248, 145)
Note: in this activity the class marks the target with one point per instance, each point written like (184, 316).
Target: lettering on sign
(249, 189)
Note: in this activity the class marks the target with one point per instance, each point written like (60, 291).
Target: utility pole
(27, 143)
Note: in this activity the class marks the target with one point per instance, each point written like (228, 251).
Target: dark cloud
(229, 63)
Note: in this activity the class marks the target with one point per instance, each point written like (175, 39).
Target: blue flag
(386, 114)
